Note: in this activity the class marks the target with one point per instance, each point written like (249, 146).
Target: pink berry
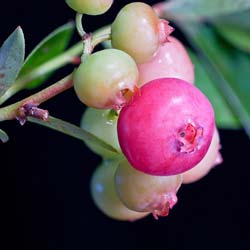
(210, 160)
(166, 128)
(170, 60)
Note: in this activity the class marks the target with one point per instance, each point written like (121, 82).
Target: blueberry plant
(152, 106)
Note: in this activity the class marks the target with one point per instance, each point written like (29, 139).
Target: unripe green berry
(146, 193)
(104, 78)
(102, 124)
(138, 31)
(90, 7)
(104, 194)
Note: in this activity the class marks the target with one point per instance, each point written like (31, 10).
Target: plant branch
(13, 111)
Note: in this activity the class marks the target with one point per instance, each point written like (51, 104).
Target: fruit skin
(210, 160)
(146, 193)
(101, 79)
(167, 128)
(102, 124)
(170, 60)
(138, 31)
(93, 7)
(103, 192)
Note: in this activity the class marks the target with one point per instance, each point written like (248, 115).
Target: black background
(45, 175)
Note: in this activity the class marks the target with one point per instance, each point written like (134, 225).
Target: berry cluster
(142, 100)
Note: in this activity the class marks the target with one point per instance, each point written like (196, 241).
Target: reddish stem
(19, 110)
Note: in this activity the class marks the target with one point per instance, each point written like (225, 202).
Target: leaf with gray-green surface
(235, 29)
(11, 59)
(3, 136)
(199, 9)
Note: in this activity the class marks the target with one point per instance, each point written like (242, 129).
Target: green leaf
(197, 9)
(3, 136)
(11, 59)
(47, 49)
(225, 118)
(235, 29)
(74, 131)
(240, 19)
(227, 66)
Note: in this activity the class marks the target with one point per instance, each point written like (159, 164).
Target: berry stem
(86, 37)
(87, 46)
(12, 111)
(103, 34)
(79, 26)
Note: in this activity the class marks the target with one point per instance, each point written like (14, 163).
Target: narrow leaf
(238, 37)
(74, 131)
(3, 136)
(228, 67)
(225, 118)
(197, 9)
(240, 19)
(235, 29)
(11, 59)
(47, 49)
